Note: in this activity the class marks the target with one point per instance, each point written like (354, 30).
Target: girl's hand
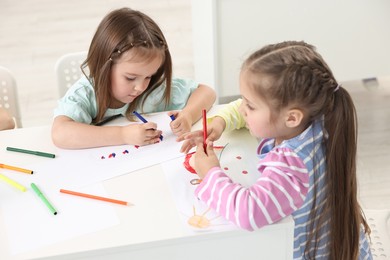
(182, 123)
(205, 161)
(141, 134)
(191, 139)
(214, 132)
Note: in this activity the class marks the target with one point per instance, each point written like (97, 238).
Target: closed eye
(249, 107)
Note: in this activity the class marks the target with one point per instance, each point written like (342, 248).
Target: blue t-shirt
(79, 102)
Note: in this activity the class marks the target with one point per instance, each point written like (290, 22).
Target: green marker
(43, 198)
(49, 155)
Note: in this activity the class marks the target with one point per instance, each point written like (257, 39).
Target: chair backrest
(68, 70)
(9, 95)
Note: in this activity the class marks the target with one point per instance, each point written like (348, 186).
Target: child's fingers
(209, 147)
(186, 147)
(200, 148)
(173, 114)
(150, 125)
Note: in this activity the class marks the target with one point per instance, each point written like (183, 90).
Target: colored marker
(109, 119)
(49, 155)
(140, 117)
(93, 197)
(43, 198)
(172, 117)
(13, 183)
(14, 168)
(204, 129)
(143, 120)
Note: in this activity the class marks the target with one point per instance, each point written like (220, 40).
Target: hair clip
(131, 44)
(337, 87)
(110, 59)
(119, 51)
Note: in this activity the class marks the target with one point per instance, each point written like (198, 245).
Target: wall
(352, 35)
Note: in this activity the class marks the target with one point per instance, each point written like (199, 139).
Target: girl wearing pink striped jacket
(307, 154)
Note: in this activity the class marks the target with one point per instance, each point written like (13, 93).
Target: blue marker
(143, 120)
(172, 117)
(140, 117)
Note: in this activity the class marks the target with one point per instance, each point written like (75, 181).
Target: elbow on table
(57, 137)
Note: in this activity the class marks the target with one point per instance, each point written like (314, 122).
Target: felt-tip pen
(143, 120)
(43, 198)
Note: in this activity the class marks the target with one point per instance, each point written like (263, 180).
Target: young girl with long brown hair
(307, 127)
(128, 68)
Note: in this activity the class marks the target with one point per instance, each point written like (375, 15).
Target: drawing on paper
(200, 221)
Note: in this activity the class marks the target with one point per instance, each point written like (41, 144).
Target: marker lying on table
(143, 120)
(94, 197)
(49, 155)
(13, 183)
(43, 198)
(14, 168)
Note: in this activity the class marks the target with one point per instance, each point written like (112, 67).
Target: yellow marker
(13, 183)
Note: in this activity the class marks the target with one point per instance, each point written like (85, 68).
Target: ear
(294, 118)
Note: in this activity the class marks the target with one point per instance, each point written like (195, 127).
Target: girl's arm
(278, 192)
(203, 97)
(69, 134)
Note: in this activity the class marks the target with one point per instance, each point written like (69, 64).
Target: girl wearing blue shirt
(130, 68)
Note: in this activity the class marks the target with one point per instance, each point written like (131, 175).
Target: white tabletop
(149, 228)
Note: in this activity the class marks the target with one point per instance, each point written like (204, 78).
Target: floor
(34, 36)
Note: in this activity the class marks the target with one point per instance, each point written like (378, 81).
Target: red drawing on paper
(189, 162)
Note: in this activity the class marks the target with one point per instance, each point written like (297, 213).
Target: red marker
(204, 129)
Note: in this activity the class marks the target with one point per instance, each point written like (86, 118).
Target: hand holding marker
(143, 120)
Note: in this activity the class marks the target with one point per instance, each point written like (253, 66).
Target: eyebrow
(246, 100)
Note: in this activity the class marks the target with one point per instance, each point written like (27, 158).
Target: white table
(150, 230)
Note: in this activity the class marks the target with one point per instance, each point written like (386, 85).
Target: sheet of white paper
(86, 166)
(30, 224)
(238, 161)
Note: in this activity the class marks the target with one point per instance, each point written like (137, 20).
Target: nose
(141, 86)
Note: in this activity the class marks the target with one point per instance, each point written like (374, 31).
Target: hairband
(133, 45)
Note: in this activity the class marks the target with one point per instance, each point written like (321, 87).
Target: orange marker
(93, 197)
(14, 168)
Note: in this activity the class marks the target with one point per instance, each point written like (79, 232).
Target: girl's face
(257, 114)
(130, 77)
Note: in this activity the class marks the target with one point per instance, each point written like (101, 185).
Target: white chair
(68, 70)
(9, 95)
(379, 222)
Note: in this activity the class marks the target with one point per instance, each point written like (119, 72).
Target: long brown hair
(293, 73)
(119, 31)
